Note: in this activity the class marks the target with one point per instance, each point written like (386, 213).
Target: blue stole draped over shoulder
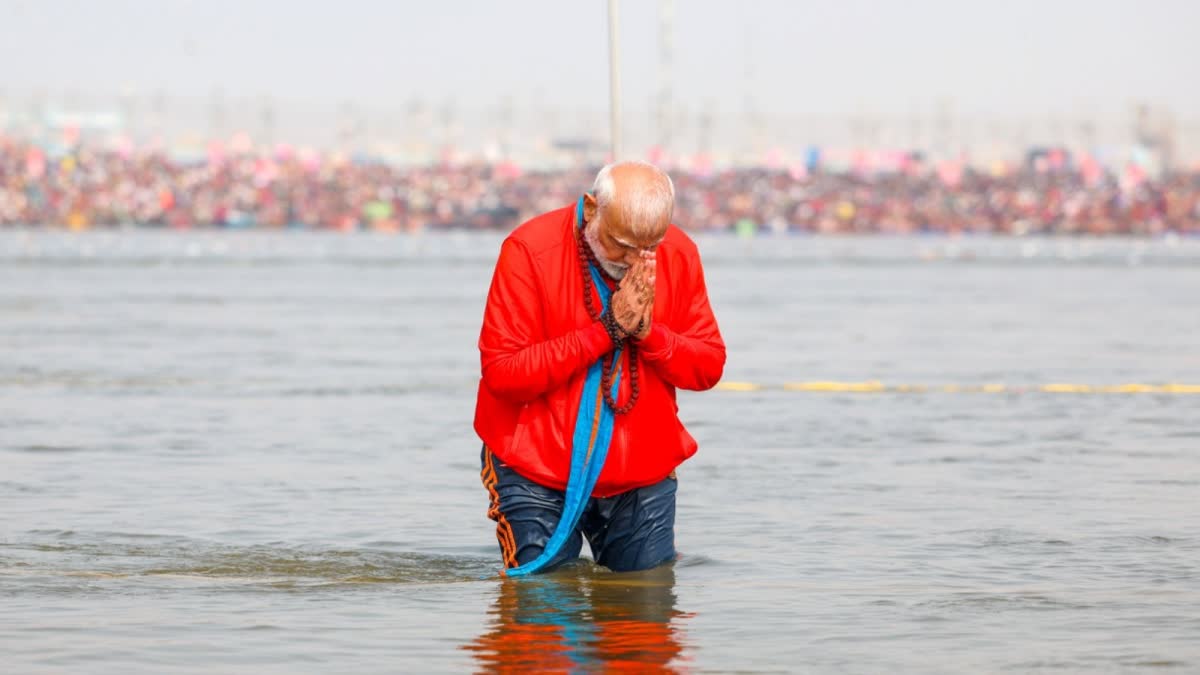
(589, 445)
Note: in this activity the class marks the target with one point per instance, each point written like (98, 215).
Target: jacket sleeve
(518, 363)
(689, 353)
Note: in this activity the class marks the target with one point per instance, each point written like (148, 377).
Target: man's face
(617, 241)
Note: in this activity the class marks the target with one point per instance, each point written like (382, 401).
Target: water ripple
(123, 555)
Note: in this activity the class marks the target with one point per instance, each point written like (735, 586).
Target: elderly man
(596, 313)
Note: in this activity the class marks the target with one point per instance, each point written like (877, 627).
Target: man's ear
(590, 206)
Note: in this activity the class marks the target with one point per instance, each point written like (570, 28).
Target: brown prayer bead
(586, 259)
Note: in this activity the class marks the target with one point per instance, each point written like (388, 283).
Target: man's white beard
(591, 236)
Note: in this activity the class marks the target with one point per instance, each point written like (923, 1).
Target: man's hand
(634, 300)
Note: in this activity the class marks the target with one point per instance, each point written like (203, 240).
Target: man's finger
(635, 279)
(645, 320)
(636, 266)
(633, 276)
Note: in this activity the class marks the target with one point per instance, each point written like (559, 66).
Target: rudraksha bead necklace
(586, 259)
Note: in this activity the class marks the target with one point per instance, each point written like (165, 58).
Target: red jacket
(538, 340)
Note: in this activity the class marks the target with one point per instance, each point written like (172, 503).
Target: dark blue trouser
(634, 530)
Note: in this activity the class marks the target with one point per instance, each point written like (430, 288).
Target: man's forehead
(619, 230)
(628, 241)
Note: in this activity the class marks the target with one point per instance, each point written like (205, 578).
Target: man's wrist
(611, 326)
(595, 340)
(643, 330)
(639, 330)
(656, 342)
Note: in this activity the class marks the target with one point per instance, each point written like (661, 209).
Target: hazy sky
(1011, 57)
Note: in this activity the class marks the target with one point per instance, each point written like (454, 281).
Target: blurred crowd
(94, 186)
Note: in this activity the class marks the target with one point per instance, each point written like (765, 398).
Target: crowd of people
(90, 186)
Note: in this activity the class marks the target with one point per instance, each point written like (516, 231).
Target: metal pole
(666, 48)
(614, 82)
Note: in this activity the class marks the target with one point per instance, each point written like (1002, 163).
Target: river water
(252, 452)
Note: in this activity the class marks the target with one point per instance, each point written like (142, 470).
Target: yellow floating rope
(739, 386)
(875, 387)
(835, 386)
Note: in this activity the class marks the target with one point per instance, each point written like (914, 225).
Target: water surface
(253, 451)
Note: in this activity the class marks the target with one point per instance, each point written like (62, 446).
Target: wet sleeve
(688, 352)
(518, 363)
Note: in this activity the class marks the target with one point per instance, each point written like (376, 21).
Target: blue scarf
(589, 445)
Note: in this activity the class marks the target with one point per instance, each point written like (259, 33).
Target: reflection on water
(580, 618)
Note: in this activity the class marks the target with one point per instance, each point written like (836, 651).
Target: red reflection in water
(584, 620)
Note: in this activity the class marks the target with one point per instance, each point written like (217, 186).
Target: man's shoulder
(678, 240)
(542, 233)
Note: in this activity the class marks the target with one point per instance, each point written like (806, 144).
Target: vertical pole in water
(614, 82)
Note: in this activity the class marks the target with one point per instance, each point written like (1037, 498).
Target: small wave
(13, 486)
(1001, 602)
(48, 448)
(347, 392)
(126, 555)
(1183, 434)
(294, 567)
(1003, 538)
(93, 380)
(694, 560)
(1043, 665)
(1168, 481)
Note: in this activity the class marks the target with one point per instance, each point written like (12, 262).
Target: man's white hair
(645, 205)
